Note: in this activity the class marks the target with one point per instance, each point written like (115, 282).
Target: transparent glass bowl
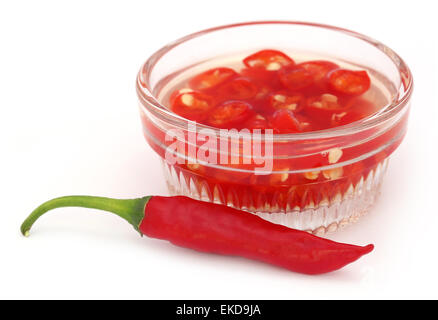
(343, 190)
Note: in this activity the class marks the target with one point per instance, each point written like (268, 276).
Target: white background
(69, 125)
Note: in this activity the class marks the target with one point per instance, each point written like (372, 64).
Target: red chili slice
(284, 121)
(295, 78)
(326, 103)
(236, 89)
(192, 105)
(230, 114)
(271, 60)
(176, 93)
(306, 124)
(211, 78)
(349, 82)
(321, 108)
(256, 122)
(262, 78)
(281, 100)
(318, 68)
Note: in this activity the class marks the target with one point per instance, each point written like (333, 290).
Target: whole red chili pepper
(219, 229)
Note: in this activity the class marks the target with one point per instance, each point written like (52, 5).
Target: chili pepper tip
(368, 248)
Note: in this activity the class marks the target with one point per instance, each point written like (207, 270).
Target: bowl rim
(148, 100)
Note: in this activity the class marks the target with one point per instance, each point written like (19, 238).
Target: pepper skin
(214, 228)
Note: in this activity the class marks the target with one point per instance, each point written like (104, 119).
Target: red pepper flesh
(220, 229)
(214, 228)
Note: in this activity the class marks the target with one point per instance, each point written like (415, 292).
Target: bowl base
(326, 217)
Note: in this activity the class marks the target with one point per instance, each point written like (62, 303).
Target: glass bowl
(320, 180)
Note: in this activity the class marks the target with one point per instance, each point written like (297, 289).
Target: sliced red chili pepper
(262, 93)
(236, 89)
(176, 93)
(214, 228)
(318, 68)
(281, 100)
(326, 102)
(271, 60)
(272, 81)
(266, 81)
(284, 121)
(230, 114)
(306, 74)
(256, 122)
(211, 78)
(192, 105)
(296, 78)
(349, 82)
(321, 108)
(306, 124)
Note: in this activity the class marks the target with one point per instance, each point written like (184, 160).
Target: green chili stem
(132, 210)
